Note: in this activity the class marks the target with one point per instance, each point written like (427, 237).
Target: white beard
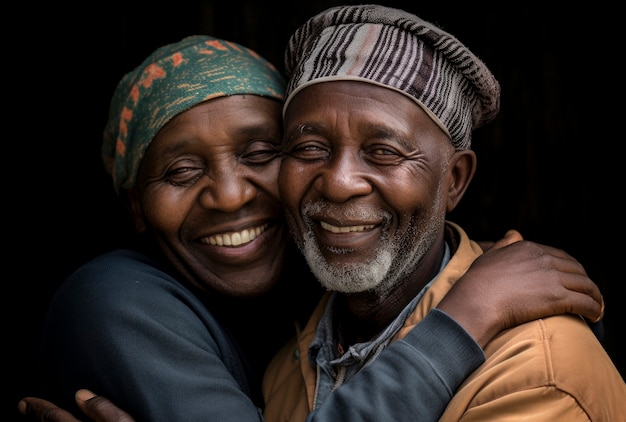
(347, 278)
(394, 258)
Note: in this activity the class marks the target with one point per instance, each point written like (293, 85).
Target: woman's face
(207, 191)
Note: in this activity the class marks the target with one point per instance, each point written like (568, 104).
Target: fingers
(549, 269)
(601, 312)
(99, 408)
(576, 302)
(575, 278)
(590, 307)
(520, 281)
(510, 236)
(36, 409)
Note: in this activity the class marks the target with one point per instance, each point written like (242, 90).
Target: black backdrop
(548, 165)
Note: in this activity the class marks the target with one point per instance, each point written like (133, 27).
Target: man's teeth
(345, 229)
(237, 238)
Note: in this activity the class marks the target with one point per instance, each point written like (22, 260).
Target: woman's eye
(183, 176)
(261, 153)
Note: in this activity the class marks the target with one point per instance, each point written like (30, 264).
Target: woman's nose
(227, 191)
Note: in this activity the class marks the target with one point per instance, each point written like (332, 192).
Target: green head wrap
(171, 80)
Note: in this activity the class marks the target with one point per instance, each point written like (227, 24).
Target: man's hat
(400, 51)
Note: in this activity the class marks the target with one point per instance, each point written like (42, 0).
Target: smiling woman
(192, 145)
(181, 327)
(216, 162)
(538, 173)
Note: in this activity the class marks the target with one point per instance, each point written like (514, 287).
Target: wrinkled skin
(366, 183)
(374, 163)
(207, 193)
(387, 182)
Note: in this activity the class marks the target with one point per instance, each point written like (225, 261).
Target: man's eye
(385, 155)
(383, 151)
(308, 151)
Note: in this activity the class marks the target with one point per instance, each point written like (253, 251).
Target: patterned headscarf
(400, 51)
(171, 80)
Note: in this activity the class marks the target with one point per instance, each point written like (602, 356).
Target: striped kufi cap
(171, 80)
(397, 50)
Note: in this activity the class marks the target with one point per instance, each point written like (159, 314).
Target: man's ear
(461, 170)
(132, 201)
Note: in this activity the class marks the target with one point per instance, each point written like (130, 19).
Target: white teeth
(346, 229)
(237, 238)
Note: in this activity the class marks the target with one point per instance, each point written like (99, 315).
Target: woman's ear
(132, 201)
(461, 170)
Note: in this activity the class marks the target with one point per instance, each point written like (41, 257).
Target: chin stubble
(394, 258)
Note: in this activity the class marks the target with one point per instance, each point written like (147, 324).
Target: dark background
(549, 164)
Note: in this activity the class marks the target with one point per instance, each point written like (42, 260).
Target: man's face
(364, 183)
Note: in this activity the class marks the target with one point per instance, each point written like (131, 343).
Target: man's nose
(344, 176)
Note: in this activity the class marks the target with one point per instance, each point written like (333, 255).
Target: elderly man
(378, 117)
(376, 156)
